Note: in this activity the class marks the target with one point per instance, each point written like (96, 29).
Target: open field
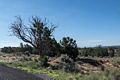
(111, 71)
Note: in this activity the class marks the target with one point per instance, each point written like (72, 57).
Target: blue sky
(90, 22)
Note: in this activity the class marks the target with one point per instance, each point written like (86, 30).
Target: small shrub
(43, 61)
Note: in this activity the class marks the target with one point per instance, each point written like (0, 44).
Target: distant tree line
(21, 48)
(65, 46)
(99, 51)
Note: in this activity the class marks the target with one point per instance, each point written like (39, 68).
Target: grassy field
(110, 73)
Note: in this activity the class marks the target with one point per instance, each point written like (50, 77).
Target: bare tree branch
(37, 34)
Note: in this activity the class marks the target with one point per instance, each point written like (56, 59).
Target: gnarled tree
(38, 33)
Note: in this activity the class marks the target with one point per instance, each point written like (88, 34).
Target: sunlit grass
(33, 67)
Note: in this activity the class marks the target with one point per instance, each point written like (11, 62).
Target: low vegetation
(90, 72)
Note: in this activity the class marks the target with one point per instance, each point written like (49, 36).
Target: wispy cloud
(92, 43)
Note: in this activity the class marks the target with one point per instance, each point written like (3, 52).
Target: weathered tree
(38, 33)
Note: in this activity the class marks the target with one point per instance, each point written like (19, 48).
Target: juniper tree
(38, 34)
(69, 47)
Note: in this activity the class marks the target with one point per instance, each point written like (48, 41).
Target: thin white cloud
(93, 43)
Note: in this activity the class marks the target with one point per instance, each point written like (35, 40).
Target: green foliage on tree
(38, 34)
(69, 47)
(7, 50)
(54, 48)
